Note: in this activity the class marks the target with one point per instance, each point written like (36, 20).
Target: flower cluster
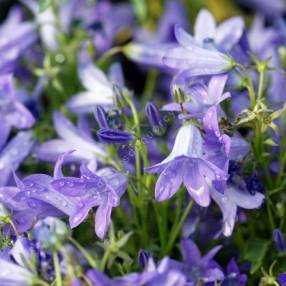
(134, 134)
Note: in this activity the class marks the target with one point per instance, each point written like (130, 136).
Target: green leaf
(45, 4)
(255, 252)
(270, 142)
(140, 9)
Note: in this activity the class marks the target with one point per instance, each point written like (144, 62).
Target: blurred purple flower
(12, 112)
(99, 90)
(234, 277)
(279, 241)
(16, 36)
(72, 138)
(15, 151)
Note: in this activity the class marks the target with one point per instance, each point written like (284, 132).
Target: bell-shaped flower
(186, 165)
(12, 112)
(71, 138)
(101, 189)
(99, 89)
(201, 96)
(195, 59)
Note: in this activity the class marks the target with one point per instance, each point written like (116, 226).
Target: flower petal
(102, 219)
(205, 26)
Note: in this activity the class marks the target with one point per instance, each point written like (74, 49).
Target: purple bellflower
(234, 277)
(12, 112)
(14, 267)
(192, 58)
(282, 279)
(197, 267)
(11, 156)
(72, 138)
(202, 96)
(224, 36)
(101, 189)
(186, 165)
(16, 36)
(101, 117)
(48, 21)
(99, 90)
(230, 200)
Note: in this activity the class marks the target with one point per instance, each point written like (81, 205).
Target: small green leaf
(255, 252)
(45, 4)
(270, 142)
(140, 9)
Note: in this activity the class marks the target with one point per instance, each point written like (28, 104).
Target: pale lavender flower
(16, 36)
(12, 112)
(202, 96)
(230, 200)
(14, 270)
(102, 189)
(71, 138)
(194, 58)
(11, 156)
(99, 90)
(48, 21)
(185, 164)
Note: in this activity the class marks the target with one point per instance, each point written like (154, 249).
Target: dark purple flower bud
(111, 136)
(282, 279)
(154, 117)
(253, 185)
(143, 258)
(279, 240)
(100, 117)
(153, 114)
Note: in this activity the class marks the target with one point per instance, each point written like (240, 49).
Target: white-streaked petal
(205, 26)
(86, 101)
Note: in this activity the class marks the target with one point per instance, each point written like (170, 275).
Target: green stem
(177, 227)
(86, 255)
(104, 259)
(261, 83)
(57, 269)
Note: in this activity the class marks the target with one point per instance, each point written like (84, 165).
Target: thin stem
(86, 255)
(57, 269)
(175, 231)
(261, 83)
(104, 259)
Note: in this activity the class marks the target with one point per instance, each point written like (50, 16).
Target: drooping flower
(71, 138)
(101, 189)
(186, 165)
(12, 112)
(230, 200)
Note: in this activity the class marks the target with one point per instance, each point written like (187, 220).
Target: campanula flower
(185, 164)
(13, 153)
(71, 138)
(202, 96)
(234, 276)
(99, 90)
(229, 201)
(12, 112)
(101, 117)
(16, 37)
(101, 189)
(191, 57)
